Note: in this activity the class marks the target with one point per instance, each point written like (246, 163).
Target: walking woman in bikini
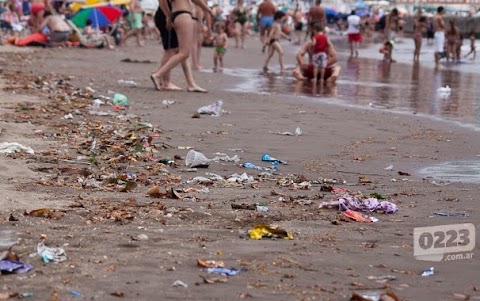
(240, 17)
(180, 18)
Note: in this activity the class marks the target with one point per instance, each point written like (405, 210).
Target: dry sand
(325, 261)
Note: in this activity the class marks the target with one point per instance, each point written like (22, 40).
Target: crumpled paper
(14, 147)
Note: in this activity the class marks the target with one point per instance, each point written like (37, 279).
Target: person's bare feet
(157, 85)
(196, 89)
(171, 87)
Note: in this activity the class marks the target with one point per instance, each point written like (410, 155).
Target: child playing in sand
(220, 42)
(320, 45)
(387, 50)
(273, 40)
(472, 46)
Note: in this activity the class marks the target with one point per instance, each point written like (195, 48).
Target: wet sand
(325, 261)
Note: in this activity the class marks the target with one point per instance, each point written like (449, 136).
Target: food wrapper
(210, 263)
(260, 231)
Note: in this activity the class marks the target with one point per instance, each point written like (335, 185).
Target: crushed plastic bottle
(126, 82)
(251, 165)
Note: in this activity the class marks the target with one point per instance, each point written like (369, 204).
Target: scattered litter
(252, 166)
(120, 100)
(75, 293)
(463, 214)
(25, 295)
(236, 150)
(243, 178)
(68, 116)
(14, 147)
(168, 102)
(374, 295)
(225, 271)
(427, 272)
(390, 167)
(382, 279)
(196, 159)
(179, 283)
(214, 109)
(298, 132)
(126, 82)
(267, 158)
(210, 263)
(50, 254)
(212, 280)
(226, 158)
(244, 206)
(440, 183)
(357, 216)
(402, 173)
(97, 103)
(351, 202)
(141, 237)
(260, 231)
(444, 92)
(8, 266)
(262, 208)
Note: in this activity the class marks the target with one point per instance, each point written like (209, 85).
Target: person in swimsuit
(59, 30)
(37, 9)
(439, 36)
(274, 40)
(305, 70)
(170, 46)
(316, 14)
(472, 46)
(265, 13)
(197, 16)
(419, 26)
(179, 17)
(136, 24)
(452, 35)
(297, 19)
(220, 42)
(240, 18)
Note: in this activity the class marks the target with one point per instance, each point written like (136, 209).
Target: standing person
(320, 49)
(273, 40)
(430, 31)
(353, 31)
(170, 45)
(452, 36)
(240, 19)
(419, 26)
(220, 42)
(439, 36)
(472, 46)
(197, 16)
(297, 19)
(316, 14)
(136, 22)
(392, 25)
(265, 13)
(181, 21)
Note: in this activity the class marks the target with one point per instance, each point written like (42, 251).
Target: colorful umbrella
(100, 16)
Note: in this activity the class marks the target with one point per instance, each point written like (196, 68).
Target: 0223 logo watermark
(448, 242)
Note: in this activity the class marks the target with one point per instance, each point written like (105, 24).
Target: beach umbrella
(100, 15)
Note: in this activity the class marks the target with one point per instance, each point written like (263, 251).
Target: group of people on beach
(184, 27)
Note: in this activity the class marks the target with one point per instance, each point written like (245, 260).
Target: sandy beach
(122, 242)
